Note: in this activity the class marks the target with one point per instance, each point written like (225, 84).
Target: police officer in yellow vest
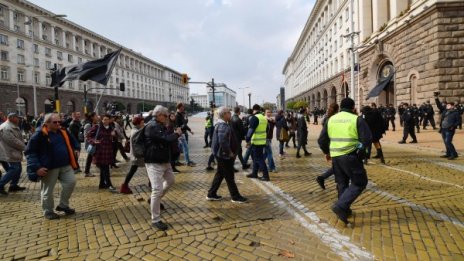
(208, 130)
(344, 140)
(256, 136)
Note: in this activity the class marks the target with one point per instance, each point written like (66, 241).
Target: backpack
(138, 143)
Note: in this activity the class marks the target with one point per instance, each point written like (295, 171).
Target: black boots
(379, 156)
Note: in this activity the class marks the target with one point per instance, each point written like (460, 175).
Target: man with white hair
(11, 152)
(157, 160)
(224, 147)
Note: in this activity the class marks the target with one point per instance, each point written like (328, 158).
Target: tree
(269, 106)
(300, 104)
(290, 105)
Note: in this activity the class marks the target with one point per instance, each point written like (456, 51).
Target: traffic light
(185, 79)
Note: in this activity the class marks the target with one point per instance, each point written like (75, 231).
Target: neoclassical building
(417, 45)
(33, 39)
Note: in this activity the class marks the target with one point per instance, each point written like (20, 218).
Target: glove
(362, 153)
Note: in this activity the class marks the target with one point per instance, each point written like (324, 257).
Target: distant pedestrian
(408, 125)
(91, 119)
(224, 147)
(135, 162)
(11, 153)
(75, 128)
(208, 130)
(291, 123)
(269, 136)
(181, 122)
(302, 132)
(239, 132)
(281, 126)
(378, 127)
(127, 121)
(256, 138)
(51, 156)
(450, 119)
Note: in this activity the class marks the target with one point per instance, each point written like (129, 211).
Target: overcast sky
(238, 42)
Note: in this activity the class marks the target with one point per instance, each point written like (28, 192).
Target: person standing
(127, 120)
(377, 127)
(302, 132)
(74, 128)
(281, 125)
(344, 140)
(208, 130)
(91, 120)
(120, 135)
(390, 113)
(239, 132)
(11, 152)
(256, 138)
(269, 136)
(157, 161)
(181, 122)
(51, 156)
(429, 116)
(224, 146)
(408, 123)
(401, 110)
(450, 118)
(135, 162)
(102, 135)
(175, 151)
(291, 123)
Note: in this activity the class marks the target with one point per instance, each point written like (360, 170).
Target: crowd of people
(53, 146)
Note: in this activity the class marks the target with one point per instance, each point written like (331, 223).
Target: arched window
(414, 89)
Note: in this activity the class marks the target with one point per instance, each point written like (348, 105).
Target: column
(52, 32)
(91, 48)
(379, 13)
(81, 45)
(11, 22)
(73, 42)
(397, 6)
(97, 51)
(63, 38)
(39, 24)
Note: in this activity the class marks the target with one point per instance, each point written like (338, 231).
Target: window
(17, 28)
(35, 48)
(3, 39)
(20, 44)
(79, 60)
(4, 72)
(36, 77)
(36, 62)
(340, 22)
(48, 79)
(70, 58)
(59, 55)
(48, 65)
(4, 56)
(20, 76)
(48, 52)
(347, 13)
(21, 59)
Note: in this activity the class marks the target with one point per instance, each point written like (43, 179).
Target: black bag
(138, 140)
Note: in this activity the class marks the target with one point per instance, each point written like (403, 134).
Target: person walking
(291, 123)
(281, 126)
(390, 113)
(408, 123)
(428, 116)
(333, 109)
(157, 161)
(136, 163)
(52, 156)
(11, 152)
(269, 137)
(344, 140)
(127, 122)
(75, 127)
(301, 132)
(256, 138)
(181, 122)
(377, 127)
(90, 121)
(450, 119)
(224, 146)
(175, 151)
(208, 130)
(239, 132)
(101, 136)
(120, 135)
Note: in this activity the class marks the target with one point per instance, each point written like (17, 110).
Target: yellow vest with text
(343, 133)
(208, 123)
(259, 136)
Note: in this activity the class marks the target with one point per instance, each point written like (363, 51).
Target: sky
(242, 43)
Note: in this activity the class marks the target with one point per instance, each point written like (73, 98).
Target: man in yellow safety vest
(344, 140)
(256, 136)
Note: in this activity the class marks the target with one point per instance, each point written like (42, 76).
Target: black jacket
(449, 118)
(238, 128)
(158, 143)
(181, 122)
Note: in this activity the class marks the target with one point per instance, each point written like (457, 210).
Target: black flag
(96, 70)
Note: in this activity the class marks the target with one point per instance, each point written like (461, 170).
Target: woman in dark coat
(281, 123)
(291, 124)
(301, 132)
(376, 124)
(175, 151)
(103, 156)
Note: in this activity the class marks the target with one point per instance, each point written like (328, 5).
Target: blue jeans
(13, 172)
(268, 155)
(185, 149)
(447, 136)
(247, 155)
(258, 160)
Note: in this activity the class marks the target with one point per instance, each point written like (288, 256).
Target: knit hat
(347, 103)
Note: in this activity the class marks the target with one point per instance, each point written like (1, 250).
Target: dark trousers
(225, 170)
(88, 163)
(105, 180)
(329, 172)
(210, 159)
(409, 130)
(128, 125)
(257, 152)
(299, 147)
(117, 146)
(239, 153)
(429, 119)
(392, 120)
(281, 147)
(291, 136)
(208, 135)
(13, 174)
(348, 168)
(447, 136)
(130, 174)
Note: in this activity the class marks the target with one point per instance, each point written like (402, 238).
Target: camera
(436, 94)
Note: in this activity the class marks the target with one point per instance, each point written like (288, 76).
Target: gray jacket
(11, 143)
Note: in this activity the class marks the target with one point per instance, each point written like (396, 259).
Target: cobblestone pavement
(413, 209)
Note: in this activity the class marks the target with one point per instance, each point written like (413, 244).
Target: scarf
(72, 157)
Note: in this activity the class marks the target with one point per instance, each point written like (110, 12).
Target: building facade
(200, 99)
(33, 40)
(419, 43)
(223, 96)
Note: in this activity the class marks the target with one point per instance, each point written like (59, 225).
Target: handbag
(127, 146)
(92, 148)
(283, 135)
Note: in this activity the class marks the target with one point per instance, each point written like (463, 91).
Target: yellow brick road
(413, 209)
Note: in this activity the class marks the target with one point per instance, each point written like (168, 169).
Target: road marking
(448, 165)
(372, 187)
(420, 176)
(339, 243)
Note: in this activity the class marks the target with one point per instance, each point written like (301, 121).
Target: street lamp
(249, 100)
(243, 94)
(31, 23)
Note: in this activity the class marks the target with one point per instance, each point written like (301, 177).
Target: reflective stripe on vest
(343, 133)
(259, 136)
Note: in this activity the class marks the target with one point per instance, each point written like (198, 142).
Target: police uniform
(345, 137)
(257, 136)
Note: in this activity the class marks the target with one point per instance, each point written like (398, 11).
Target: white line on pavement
(420, 176)
(448, 165)
(339, 243)
(372, 187)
